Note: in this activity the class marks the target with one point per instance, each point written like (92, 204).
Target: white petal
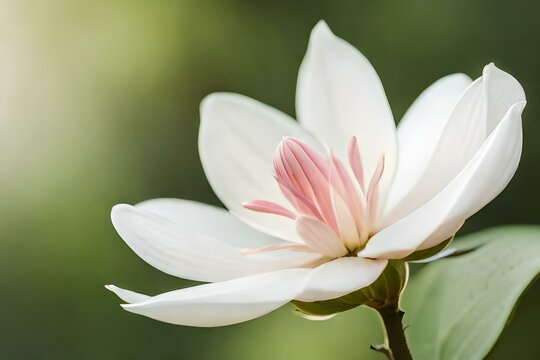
(340, 277)
(243, 299)
(478, 111)
(127, 295)
(339, 95)
(237, 141)
(502, 92)
(320, 237)
(198, 218)
(420, 129)
(484, 177)
(224, 303)
(197, 241)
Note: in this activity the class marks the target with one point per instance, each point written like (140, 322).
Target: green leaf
(456, 308)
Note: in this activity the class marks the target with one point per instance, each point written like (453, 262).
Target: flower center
(323, 190)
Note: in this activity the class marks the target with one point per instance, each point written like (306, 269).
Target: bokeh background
(99, 105)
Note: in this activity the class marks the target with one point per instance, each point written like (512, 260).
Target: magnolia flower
(319, 206)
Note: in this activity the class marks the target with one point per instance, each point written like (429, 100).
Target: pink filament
(268, 207)
(356, 162)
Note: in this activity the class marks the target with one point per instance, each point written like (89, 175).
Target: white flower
(344, 192)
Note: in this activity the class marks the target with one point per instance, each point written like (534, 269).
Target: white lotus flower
(344, 192)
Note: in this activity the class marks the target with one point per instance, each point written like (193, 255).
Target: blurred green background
(99, 105)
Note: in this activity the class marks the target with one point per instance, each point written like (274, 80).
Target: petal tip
(114, 289)
(221, 98)
(321, 31)
(212, 99)
(491, 65)
(497, 78)
(118, 209)
(489, 68)
(321, 26)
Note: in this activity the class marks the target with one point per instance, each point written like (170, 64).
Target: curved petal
(237, 141)
(127, 295)
(484, 177)
(243, 299)
(340, 277)
(197, 241)
(478, 111)
(221, 303)
(339, 95)
(420, 129)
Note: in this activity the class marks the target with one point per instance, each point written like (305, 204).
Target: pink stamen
(325, 190)
(299, 201)
(316, 158)
(297, 171)
(318, 181)
(356, 163)
(268, 207)
(372, 195)
(306, 175)
(347, 190)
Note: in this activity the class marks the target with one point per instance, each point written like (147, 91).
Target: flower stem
(396, 345)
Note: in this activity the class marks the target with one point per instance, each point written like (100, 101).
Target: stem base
(396, 343)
